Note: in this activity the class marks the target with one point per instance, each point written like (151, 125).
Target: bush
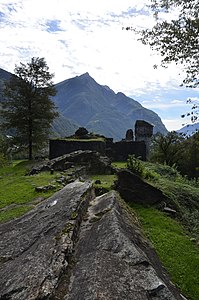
(135, 165)
(81, 131)
(3, 160)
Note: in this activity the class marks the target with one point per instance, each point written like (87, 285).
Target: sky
(79, 36)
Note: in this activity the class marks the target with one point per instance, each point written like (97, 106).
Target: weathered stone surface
(110, 258)
(133, 189)
(35, 249)
(129, 135)
(77, 247)
(92, 161)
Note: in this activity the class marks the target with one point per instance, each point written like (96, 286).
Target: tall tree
(177, 40)
(27, 107)
(167, 149)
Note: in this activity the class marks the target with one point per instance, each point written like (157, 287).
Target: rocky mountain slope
(81, 101)
(189, 130)
(99, 109)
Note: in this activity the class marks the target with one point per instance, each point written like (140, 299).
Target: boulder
(133, 189)
(91, 161)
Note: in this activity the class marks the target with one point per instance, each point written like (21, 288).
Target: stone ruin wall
(60, 147)
(118, 151)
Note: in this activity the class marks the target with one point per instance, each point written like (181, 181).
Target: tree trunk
(30, 129)
(30, 149)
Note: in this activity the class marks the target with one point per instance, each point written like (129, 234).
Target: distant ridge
(4, 75)
(189, 130)
(100, 109)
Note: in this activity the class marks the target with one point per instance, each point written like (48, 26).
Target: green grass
(119, 164)
(18, 189)
(100, 139)
(107, 181)
(177, 252)
(171, 238)
(14, 212)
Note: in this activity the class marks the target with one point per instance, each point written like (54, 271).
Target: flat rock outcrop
(75, 246)
(92, 161)
(113, 260)
(35, 249)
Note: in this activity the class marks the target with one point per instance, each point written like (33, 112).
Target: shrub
(3, 160)
(135, 165)
(81, 131)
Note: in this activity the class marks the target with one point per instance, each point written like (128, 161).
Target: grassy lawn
(176, 250)
(18, 190)
(107, 181)
(119, 164)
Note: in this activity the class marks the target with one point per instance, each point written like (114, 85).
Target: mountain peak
(85, 75)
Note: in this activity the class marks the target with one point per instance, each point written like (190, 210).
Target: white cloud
(87, 37)
(173, 124)
(177, 102)
(163, 105)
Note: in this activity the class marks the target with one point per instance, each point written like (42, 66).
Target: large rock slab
(92, 161)
(74, 246)
(36, 248)
(110, 261)
(133, 189)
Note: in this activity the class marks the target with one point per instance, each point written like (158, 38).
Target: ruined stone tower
(143, 132)
(129, 135)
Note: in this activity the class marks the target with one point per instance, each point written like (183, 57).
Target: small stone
(97, 181)
(39, 189)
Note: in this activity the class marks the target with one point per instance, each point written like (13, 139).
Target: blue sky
(78, 36)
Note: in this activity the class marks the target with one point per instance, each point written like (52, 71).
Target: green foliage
(81, 132)
(162, 170)
(175, 150)
(184, 198)
(3, 151)
(166, 148)
(3, 160)
(27, 107)
(182, 193)
(189, 165)
(177, 40)
(135, 165)
(119, 164)
(177, 252)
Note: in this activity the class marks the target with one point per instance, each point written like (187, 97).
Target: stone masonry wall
(61, 147)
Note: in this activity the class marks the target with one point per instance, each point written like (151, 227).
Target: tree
(190, 163)
(174, 149)
(177, 40)
(27, 107)
(167, 149)
(81, 132)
